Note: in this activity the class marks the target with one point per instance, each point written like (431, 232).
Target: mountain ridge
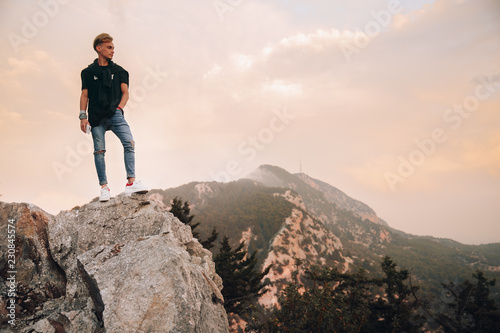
(363, 237)
(275, 176)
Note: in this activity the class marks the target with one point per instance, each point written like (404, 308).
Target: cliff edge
(125, 265)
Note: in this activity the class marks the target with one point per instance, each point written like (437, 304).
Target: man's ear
(98, 48)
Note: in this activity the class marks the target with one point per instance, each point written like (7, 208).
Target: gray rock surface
(37, 276)
(128, 266)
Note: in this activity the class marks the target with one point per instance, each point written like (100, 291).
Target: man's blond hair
(102, 38)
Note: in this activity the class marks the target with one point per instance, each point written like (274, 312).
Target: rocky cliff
(126, 265)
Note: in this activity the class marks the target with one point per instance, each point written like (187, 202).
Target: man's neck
(102, 61)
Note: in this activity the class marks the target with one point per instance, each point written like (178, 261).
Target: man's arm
(125, 94)
(84, 99)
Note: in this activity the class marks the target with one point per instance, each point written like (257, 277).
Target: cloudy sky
(397, 103)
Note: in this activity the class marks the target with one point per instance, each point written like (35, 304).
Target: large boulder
(127, 265)
(27, 268)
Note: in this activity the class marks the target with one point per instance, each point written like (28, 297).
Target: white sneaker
(136, 187)
(105, 194)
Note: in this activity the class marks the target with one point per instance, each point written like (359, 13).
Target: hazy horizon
(395, 103)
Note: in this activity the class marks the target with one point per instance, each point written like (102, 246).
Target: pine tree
(484, 309)
(396, 310)
(182, 211)
(209, 242)
(469, 307)
(241, 279)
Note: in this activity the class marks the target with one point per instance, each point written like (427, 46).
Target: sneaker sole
(141, 192)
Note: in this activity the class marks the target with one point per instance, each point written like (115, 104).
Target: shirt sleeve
(124, 77)
(85, 79)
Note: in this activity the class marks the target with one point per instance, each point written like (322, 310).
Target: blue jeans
(119, 126)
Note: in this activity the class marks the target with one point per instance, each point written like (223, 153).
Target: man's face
(106, 50)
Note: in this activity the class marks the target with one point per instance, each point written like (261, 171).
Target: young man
(105, 91)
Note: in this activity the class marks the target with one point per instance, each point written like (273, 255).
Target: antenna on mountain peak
(300, 165)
